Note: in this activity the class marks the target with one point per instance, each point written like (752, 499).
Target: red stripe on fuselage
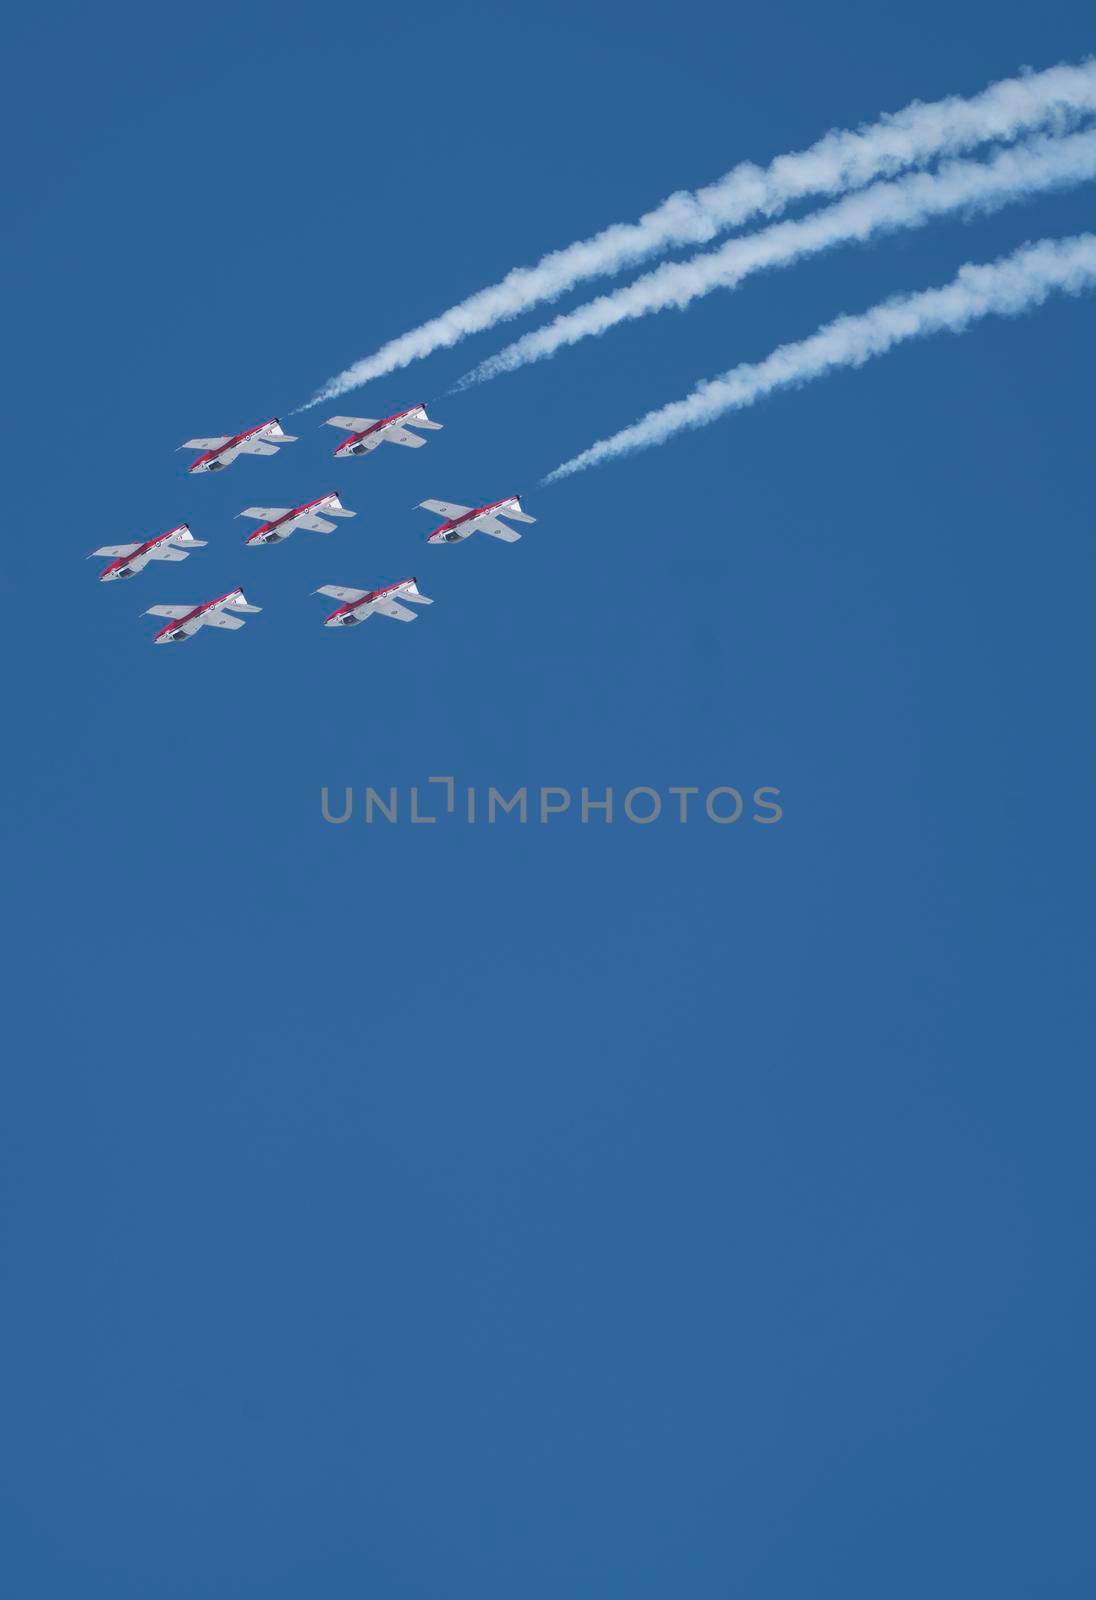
(230, 444)
(141, 550)
(198, 611)
(456, 522)
(367, 599)
(267, 527)
(375, 427)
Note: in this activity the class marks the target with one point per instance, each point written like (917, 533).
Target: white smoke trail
(1003, 288)
(1012, 175)
(1056, 98)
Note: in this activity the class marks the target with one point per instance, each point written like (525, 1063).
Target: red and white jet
(174, 545)
(186, 620)
(279, 522)
(358, 605)
(464, 520)
(222, 451)
(366, 433)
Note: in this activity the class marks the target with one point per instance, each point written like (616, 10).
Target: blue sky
(589, 1211)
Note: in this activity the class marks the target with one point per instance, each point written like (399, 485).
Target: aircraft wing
(116, 549)
(314, 523)
(206, 444)
(518, 515)
(256, 447)
(403, 436)
(264, 513)
(346, 596)
(392, 608)
(168, 552)
(350, 424)
(169, 611)
(444, 508)
(497, 529)
(221, 619)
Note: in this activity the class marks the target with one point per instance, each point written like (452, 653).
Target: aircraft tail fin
(517, 513)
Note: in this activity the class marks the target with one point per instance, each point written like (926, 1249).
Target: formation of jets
(277, 523)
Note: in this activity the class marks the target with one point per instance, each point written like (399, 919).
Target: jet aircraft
(129, 559)
(463, 520)
(221, 452)
(366, 433)
(278, 522)
(186, 620)
(358, 605)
